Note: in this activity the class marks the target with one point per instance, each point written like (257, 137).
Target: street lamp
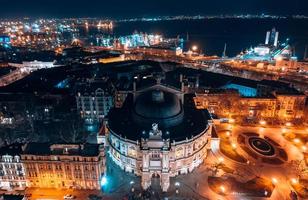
(132, 184)
(220, 160)
(222, 189)
(233, 146)
(274, 181)
(177, 185)
(103, 181)
(294, 181)
(296, 140)
(262, 122)
(283, 130)
(231, 121)
(228, 133)
(194, 48)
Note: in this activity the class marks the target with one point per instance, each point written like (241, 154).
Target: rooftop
(193, 123)
(62, 149)
(13, 149)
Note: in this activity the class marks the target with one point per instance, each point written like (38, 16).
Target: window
(179, 152)
(132, 151)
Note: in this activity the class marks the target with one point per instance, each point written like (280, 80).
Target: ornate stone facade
(12, 170)
(166, 149)
(64, 166)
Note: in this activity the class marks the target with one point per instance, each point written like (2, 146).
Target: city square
(153, 100)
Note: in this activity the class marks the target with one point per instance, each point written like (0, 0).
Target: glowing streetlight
(233, 146)
(220, 160)
(222, 189)
(294, 181)
(262, 122)
(231, 121)
(296, 140)
(283, 130)
(228, 133)
(304, 148)
(132, 184)
(288, 124)
(274, 181)
(194, 48)
(177, 184)
(104, 181)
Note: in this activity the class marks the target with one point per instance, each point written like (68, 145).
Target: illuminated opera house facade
(158, 132)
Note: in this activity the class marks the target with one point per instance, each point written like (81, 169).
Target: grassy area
(227, 150)
(255, 187)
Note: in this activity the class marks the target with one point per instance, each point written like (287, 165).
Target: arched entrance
(155, 182)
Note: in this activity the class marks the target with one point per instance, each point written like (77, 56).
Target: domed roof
(157, 106)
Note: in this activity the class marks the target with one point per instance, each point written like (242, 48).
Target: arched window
(132, 151)
(195, 146)
(179, 152)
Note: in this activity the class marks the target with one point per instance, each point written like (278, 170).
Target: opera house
(158, 133)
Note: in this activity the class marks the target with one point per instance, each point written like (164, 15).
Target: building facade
(290, 106)
(229, 103)
(64, 165)
(12, 170)
(154, 140)
(94, 105)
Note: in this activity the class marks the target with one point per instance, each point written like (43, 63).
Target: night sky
(146, 8)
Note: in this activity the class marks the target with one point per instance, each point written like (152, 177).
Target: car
(68, 196)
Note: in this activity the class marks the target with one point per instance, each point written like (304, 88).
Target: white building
(29, 66)
(160, 135)
(12, 171)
